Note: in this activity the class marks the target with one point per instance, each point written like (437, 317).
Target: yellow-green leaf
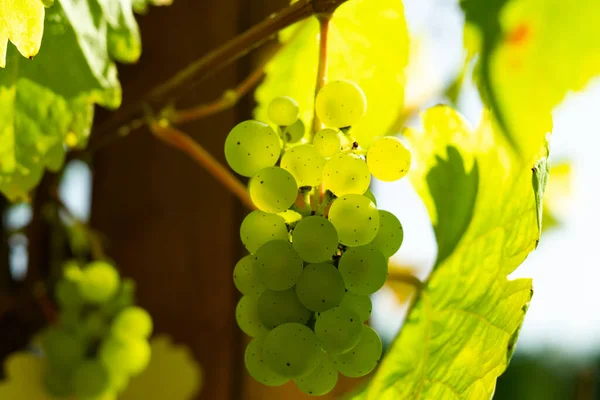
(24, 378)
(172, 374)
(21, 22)
(461, 332)
(368, 44)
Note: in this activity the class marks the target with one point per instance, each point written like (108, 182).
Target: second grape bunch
(318, 244)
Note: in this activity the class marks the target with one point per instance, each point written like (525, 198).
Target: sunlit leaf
(47, 104)
(534, 52)
(368, 44)
(21, 22)
(461, 332)
(172, 374)
(557, 193)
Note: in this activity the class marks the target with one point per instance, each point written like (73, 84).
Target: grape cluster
(100, 339)
(318, 244)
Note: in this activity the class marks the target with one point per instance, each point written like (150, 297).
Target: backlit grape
(251, 146)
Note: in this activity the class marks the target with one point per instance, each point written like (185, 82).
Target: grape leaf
(533, 52)
(460, 333)
(21, 22)
(367, 44)
(47, 103)
(172, 374)
(24, 378)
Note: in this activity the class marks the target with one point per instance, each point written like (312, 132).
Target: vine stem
(221, 57)
(184, 142)
(324, 20)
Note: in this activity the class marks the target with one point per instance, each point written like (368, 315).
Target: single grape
(363, 357)
(125, 297)
(64, 350)
(132, 322)
(355, 218)
(260, 227)
(283, 111)
(305, 164)
(67, 294)
(94, 325)
(57, 383)
(390, 234)
(388, 159)
(246, 279)
(320, 287)
(290, 216)
(273, 190)
(369, 195)
(251, 146)
(338, 329)
(322, 379)
(346, 173)
(327, 142)
(99, 282)
(90, 379)
(291, 350)
(360, 304)
(340, 104)
(246, 315)
(315, 239)
(276, 308)
(278, 265)
(295, 132)
(130, 356)
(256, 366)
(364, 269)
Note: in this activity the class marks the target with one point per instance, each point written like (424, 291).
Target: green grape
(124, 298)
(295, 132)
(256, 366)
(390, 234)
(72, 271)
(340, 104)
(369, 195)
(63, 350)
(360, 304)
(246, 279)
(364, 269)
(246, 315)
(57, 383)
(260, 227)
(90, 379)
(67, 294)
(355, 218)
(290, 216)
(132, 322)
(305, 163)
(276, 308)
(363, 357)
(251, 146)
(346, 173)
(278, 265)
(388, 159)
(338, 329)
(283, 111)
(273, 190)
(99, 283)
(291, 350)
(327, 142)
(130, 356)
(315, 239)
(322, 379)
(320, 287)
(94, 325)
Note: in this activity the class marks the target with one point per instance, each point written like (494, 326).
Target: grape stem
(327, 198)
(219, 58)
(182, 141)
(324, 20)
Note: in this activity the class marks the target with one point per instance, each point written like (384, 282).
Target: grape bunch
(100, 339)
(318, 244)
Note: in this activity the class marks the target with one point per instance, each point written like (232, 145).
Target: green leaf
(539, 180)
(367, 44)
(47, 104)
(533, 52)
(461, 332)
(21, 22)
